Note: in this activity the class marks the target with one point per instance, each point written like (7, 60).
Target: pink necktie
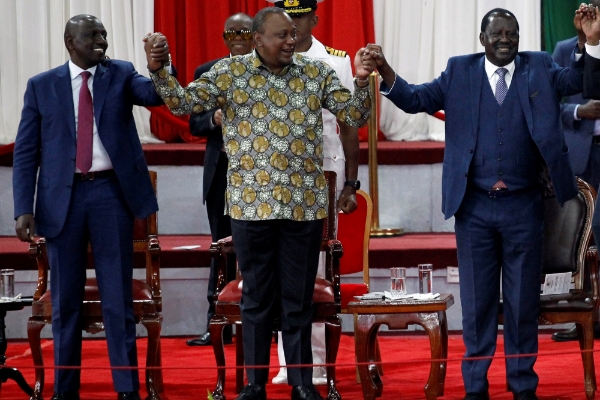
(85, 123)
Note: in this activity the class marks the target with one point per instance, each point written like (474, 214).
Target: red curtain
(193, 29)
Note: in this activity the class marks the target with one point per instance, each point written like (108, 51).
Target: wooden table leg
(431, 323)
(365, 337)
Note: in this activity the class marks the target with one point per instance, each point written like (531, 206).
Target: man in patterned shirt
(272, 102)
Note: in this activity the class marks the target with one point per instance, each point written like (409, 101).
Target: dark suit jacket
(541, 85)
(578, 134)
(200, 125)
(46, 139)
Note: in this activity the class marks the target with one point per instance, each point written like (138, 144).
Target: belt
(499, 192)
(596, 139)
(90, 176)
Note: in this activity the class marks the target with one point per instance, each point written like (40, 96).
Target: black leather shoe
(571, 334)
(65, 396)
(203, 340)
(128, 396)
(252, 392)
(308, 392)
(525, 395)
(477, 396)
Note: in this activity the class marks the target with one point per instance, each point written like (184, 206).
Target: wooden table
(6, 372)
(369, 315)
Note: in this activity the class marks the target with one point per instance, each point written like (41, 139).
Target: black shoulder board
(334, 52)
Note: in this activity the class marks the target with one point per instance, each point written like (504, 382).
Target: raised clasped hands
(157, 50)
(367, 59)
(588, 17)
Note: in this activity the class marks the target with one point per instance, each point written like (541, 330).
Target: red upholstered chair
(147, 303)
(326, 298)
(354, 232)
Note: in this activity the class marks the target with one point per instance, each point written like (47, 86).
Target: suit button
(500, 143)
(466, 174)
(69, 187)
(471, 151)
(500, 159)
(500, 173)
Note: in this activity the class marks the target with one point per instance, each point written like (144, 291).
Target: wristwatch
(354, 184)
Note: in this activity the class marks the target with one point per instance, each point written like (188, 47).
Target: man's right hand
(157, 50)
(25, 227)
(589, 110)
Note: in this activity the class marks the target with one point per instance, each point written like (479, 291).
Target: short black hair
(486, 18)
(261, 17)
(73, 23)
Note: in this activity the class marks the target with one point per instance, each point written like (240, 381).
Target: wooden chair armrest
(219, 251)
(38, 251)
(153, 269)
(334, 252)
(591, 259)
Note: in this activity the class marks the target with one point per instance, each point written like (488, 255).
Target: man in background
(581, 124)
(237, 36)
(78, 148)
(336, 144)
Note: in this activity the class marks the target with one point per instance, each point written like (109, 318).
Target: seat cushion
(349, 290)
(232, 292)
(141, 291)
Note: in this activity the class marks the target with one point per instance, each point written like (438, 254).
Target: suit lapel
(101, 83)
(477, 72)
(522, 80)
(64, 92)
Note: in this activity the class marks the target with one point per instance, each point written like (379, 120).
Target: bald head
(243, 19)
(239, 26)
(85, 39)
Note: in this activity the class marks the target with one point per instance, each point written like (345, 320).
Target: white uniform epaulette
(334, 52)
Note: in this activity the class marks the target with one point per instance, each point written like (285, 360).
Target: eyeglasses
(245, 34)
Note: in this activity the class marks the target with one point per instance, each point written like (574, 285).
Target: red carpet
(189, 372)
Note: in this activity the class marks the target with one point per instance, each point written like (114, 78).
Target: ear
(257, 39)
(69, 42)
(481, 39)
(315, 20)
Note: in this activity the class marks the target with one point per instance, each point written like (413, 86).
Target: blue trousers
(98, 215)
(499, 242)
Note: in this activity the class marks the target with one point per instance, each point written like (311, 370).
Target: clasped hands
(587, 17)
(157, 50)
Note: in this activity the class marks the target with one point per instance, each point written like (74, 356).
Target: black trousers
(278, 260)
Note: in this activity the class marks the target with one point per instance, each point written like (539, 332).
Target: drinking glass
(398, 276)
(7, 284)
(425, 278)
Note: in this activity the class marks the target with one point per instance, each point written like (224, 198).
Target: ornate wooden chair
(566, 248)
(147, 303)
(327, 300)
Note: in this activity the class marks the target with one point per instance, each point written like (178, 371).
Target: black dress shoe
(571, 334)
(308, 392)
(203, 340)
(477, 396)
(128, 396)
(252, 392)
(525, 395)
(65, 396)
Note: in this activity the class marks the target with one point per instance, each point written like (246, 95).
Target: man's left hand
(347, 201)
(157, 50)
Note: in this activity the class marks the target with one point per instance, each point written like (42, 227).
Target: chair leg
(215, 328)
(586, 342)
(154, 381)
(333, 330)
(34, 329)
(239, 359)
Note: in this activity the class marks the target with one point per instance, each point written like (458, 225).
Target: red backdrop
(194, 29)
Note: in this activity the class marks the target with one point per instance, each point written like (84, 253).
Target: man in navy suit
(238, 39)
(581, 123)
(502, 129)
(86, 193)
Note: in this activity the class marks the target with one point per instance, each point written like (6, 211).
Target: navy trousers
(278, 260)
(499, 241)
(98, 215)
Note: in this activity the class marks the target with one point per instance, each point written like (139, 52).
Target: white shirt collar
(76, 71)
(490, 69)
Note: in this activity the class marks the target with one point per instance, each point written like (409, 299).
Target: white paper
(557, 283)
(190, 247)
(414, 296)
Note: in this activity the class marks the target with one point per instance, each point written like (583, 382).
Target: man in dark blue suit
(581, 123)
(502, 130)
(77, 136)
(238, 39)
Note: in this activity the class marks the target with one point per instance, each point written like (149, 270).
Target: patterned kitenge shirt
(272, 130)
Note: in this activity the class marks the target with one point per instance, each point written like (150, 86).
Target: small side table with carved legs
(369, 315)
(6, 372)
